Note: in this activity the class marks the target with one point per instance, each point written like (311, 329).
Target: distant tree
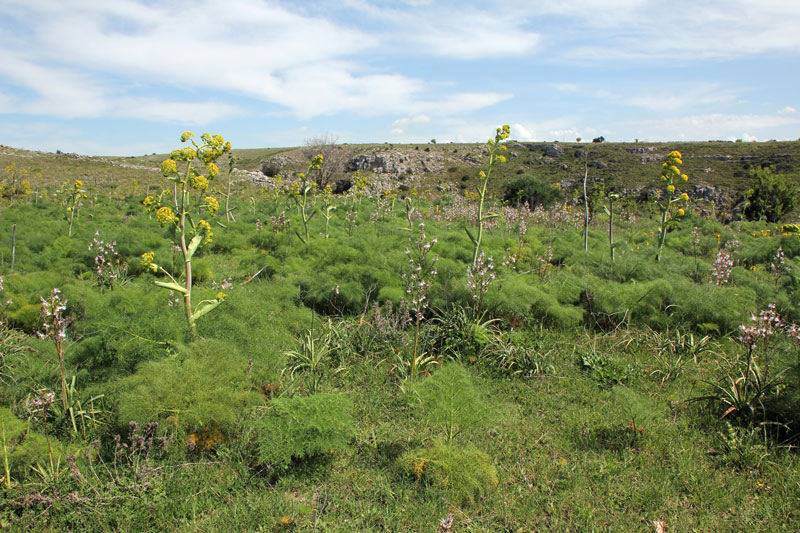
(771, 196)
(600, 139)
(334, 158)
(578, 140)
(433, 141)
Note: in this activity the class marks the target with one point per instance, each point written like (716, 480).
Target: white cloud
(705, 127)
(263, 51)
(788, 110)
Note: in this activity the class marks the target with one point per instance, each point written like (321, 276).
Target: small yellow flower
(675, 155)
(147, 261)
(684, 177)
(150, 203)
(674, 169)
(186, 135)
(165, 216)
(198, 182)
(482, 175)
(501, 158)
(684, 197)
(221, 295)
(213, 170)
(204, 228)
(680, 212)
(169, 168)
(670, 188)
(211, 204)
(78, 184)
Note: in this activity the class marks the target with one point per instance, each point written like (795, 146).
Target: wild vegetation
(397, 356)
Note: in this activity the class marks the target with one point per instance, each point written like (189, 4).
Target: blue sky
(126, 77)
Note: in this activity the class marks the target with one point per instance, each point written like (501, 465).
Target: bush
(449, 401)
(24, 447)
(202, 387)
(771, 196)
(464, 474)
(531, 190)
(302, 428)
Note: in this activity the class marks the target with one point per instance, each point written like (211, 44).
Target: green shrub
(450, 402)
(463, 474)
(301, 428)
(531, 190)
(25, 448)
(205, 385)
(771, 196)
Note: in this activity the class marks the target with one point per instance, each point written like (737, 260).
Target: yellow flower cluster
(211, 204)
(187, 153)
(213, 170)
(316, 162)
(204, 228)
(213, 148)
(78, 184)
(186, 135)
(169, 168)
(147, 261)
(165, 216)
(198, 182)
(150, 203)
(221, 295)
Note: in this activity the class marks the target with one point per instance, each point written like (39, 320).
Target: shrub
(23, 447)
(449, 401)
(771, 196)
(204, 386)
(531, 190)
(302, 428)
(464, 474)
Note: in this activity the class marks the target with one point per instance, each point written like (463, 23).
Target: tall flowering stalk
(76, 194)
(302, 192)
(54, 327)
(480, 275)
(418, 281)
(190, 185)
(671, 174)
(493, 146)
(108, 265)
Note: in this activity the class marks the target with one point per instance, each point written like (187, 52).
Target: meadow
(186, 349)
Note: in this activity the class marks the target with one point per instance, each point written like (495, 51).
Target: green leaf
(193, 244)
(204, 308)
(171, 286)
(471, 237)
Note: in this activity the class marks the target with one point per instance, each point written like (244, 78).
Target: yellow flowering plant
(493, 146)
(670, 175)
(75, 195)
(301, 192)
(190, 168)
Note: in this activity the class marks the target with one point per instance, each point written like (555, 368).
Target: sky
(127, 77)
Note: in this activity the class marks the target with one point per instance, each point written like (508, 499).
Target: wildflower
(684, 177)
(204, 228)
(501, 158)
(147, 261)
(680, 212)
(78, 184)
(165, 216)
(186, 135)
(684, 197)
(482, 175)
(150, 202)
(670, 189)
(285, 520)
(211, 204)
(213, 170)
(198, 182)
(221, 295)
(169, 168)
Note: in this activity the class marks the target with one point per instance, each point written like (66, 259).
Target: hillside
(718, 170)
